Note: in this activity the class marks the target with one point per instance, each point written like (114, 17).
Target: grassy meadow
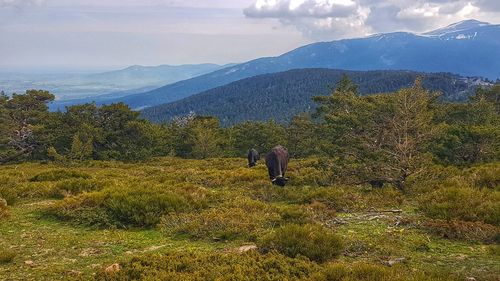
(175, 219)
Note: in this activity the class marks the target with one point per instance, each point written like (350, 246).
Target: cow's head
(280, 181)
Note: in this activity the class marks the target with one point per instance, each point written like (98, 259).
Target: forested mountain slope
(280, 96)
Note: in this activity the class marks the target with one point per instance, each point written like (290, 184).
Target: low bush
(75, 186)
(373, 272)
(485, 176)
(313, 241)
(432, 176)
(6, 256)
(122, 206)
(87, 209)
(462, 203)
(242, 218)
(56, 175)
(339, 198)
(143, 205)
(336, 198)
(250, 266)
(9, 189)
(309, 213)
(463, 230)
(188, 266)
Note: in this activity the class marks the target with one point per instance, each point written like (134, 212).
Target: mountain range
(280, 96)
(469, 48)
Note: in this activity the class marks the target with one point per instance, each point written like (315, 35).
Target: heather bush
(485, 176)
(199, 266)
(463, 230)
(75, 186)
(252, 266)
(142, 205)
(339, 198)
(242, 218)
(308, 213)
(373, 272)
(312, 241)
(462, 203)
(9, 190)
(479, 177)
(86, 209)
(56, 175)
(132, 205)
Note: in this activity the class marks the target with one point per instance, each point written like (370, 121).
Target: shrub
(479, 177)
(142, 205)
(239, 219)
(56, 175)
(123, 206)
(86, 209)
(359, 272)
(251, 266)
(313, 241)
(309, 213)
(373, 272)
(462, 203)
(337, 198)
(6, 256)
(431, 177)
(485, 176)
(9, 190)
(75, 186)
(463, 230)
(188, 266)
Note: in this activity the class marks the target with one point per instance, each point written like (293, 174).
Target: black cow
(253, 157)
(277, 162)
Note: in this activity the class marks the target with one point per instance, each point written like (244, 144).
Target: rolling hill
(469, 48)
(280, 96)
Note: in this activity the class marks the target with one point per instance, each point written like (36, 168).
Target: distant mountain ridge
(469, 48)
(71, 86)
(282, 95)
(153, 75)
(135, 79)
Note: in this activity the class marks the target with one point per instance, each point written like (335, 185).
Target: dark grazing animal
(277, 162)
(253, 157)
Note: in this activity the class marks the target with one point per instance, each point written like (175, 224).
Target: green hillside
(281, 96)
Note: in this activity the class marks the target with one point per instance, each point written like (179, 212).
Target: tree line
(281, 96)
(381, 137)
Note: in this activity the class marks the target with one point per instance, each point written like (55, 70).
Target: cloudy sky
(104, 34)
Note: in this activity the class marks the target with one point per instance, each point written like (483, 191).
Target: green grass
(62, 248)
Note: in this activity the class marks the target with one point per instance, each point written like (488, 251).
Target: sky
(108, 34)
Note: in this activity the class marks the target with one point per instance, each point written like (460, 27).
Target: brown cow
(277, 163)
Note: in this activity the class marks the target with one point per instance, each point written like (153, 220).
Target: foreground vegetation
(397, 186)
(175, 219)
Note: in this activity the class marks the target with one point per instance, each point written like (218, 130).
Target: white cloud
(333, 19)
(301, 8)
